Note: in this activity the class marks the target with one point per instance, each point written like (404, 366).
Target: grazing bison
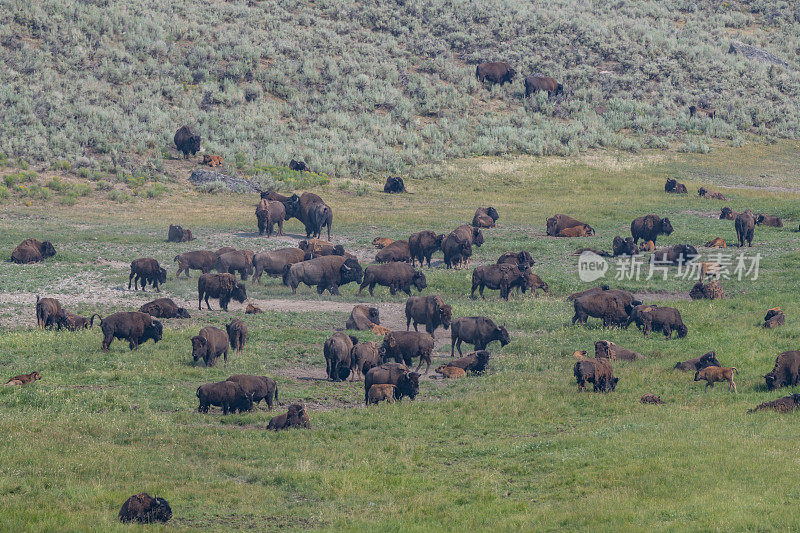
(381, 242)
(186, 141)
(745, 224)
(781, 405)
(654, 318)
(364, 356)
(337, 351)
(48, 312)
(212, 160)
(397, 276)
(73, 322)
(764, 220)
(649, 227)
(475, 362)
(611, 305)
(146, 270)
(710, 291)
(178, 234)
(702, 192)
(576, 231)
(457, 246)
(651, 398)
(698, 363)
(504, 277)
(598, 372)
(774, 318)
(164, 308)
(558, 223)
(610, 350)
(621, 246)
(537, 82)
(716, 243)
(145, 509)
(478, 331)
(394, 185)
(423, 245)
(134, 326)
(269, 213)
(713, 374)
(295, 417)
(202, 260)
(226, 394)
(786, 372)
(233, 262)
(328, 272)
(495, 72)
(310, 210)
(485, 217)
(521, 259)
(429, 310)
(32, 251)
(727, 214)
(382, 392)
(298, 166)
(275, 261)
(451, 372)
(397, 251)
(257, 388)
(24, 379)
(406, 382)
(237, 334)
(209, 344)
(362, 318)
(405, 346)
(675, 187)
(695, 111)
(222, 286)
(252, 310)
(677, 255)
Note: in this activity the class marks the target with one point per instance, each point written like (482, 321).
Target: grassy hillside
(517, 448)
(361, 87)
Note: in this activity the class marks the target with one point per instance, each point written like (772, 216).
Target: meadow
(517, 448)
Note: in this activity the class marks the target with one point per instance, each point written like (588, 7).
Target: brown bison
(649, 227)
(362, 318)
(212, 160)
(397, 251)
(48, 312)
(275, 261)
(781, 405)
(727, 214)
(457, 246)
(478, 331)
(475, 362)
(146, 270)
(577, 231)
(610, 350)
(713, 374)
(423, 245)
(558, 223)
(318, 248)
(164, 308)
(711, 291)
(381, 242)
(698, 363)
(295, 417)
(651, 399)
(745, 225)
(676, 255)
(298, 166)
(178, 234)
(32, 251)
(764, 220)
(252, 310)
(648, 246)
(397, 276)
(495, 72)
(625, 247)
(654, 318)
(364, 356)
(786, 372)
(258, 388)
(405, 346)
(145, 509)
(237, 334)
(73, 322)
(505, 277)
(716, 243)
(326, 273)
(406, 382)
(695, 111)
(394, 185)
(337, 350)
(311, 211)
(598, 372)
(236, 261)
(774, 318)
(675, 187)
(521, 258)
(485, 217)
(382, 392)
(134, 326)
(226, 394)
(221, 286)
(202, 260)
(269, 213)
(209, 344)
(224, 250)
(451, 372)
(186, 142)
(702, 192)
(537, 82)
(24, 379)
(429, 310)
(611, 305)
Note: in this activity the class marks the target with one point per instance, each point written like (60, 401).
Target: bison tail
(91, 320)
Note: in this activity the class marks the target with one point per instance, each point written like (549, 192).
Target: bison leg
(407, 290)
(107, 342)
(458, 346)
(225, 408)
(133, 344)
(225, 357)
(371, 287)
(361, 288)
(133, 274)
(207, 305)
(334, 289)
(667, 331)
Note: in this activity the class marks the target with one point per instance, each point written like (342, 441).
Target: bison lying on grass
(178, 234)
(520, 259)
(451, 372)
(781, 405)
(610, 350)
(485, 217)
(295, 417)
(134, 326)
(228, 395)
(712, 291)
(394, 185)
(362, 318)
(32, 251)
(558, 223)
(475, 362)
(145, 509)
(698, 363)
(164, 308)
(651, 399)
(774, 318)
(675, 187)
(222, 286)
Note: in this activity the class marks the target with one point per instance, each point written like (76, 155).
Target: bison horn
(346, 268)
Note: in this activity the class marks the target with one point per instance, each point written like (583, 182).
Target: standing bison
(49, 312)
(311, 211)
(236, 261)
(537, 82)
(146, 270)
(598, 372)
(429, 310)
(406, 382)
(405, 346)
(326, 273)
(457, 246)
(495, 72)
(337, 350)
(222, 286)
(202, 260)
(187, 142)
(745, 224)
(32, 251)
(364, 356)
(649, 227)
(269, 213)
(237, 334)
(209, 344)
(478, 331)
(226, 394)
(423, 245)
(134, 326)
(397, 276)
(655, 318)
(611, 305)
(275, 261)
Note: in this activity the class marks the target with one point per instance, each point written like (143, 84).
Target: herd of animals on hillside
(386, 367)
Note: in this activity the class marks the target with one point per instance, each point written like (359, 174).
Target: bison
(698, 363)
(311, 211)
(781, 405)
(382, 392)
(478, 331)
(381, 242)
(187, 142)
(538, 82)
(625, 247)
(295, 417)
(495, 72)
(397, 251)
(228, 395)
(73, 322)
(610, 350)
(164, 308)
(503, 277)
(598, 372)
(253, 310)
(178, 234)
(451, 372)
(318, 248)
(337, 351)
(675, 187)
(237, 334)
(702, 192)
(611, 305)
(394, 185)
(258, 388)
(146, 270)
(423, 245)
(429, 310)
(202, 260)
(764, 220)
(521, 258)
(275, 261)
(269, 213)
(774, 318)
(49, 312)
(557, 223)
(235, 261)
(212, 160)
(364, 356)
(654, 318)
(712, 374)
(677, 255)
(145, 509)
(406, 382)
(485, 217)
(209, 344)
(221, 286)
(32, 251)
(786, 372)
(727, 214)
(397, 276)
(405, 346)
(695, 111)
(649, 227)
(651, 399)
(716, 243)
(298, 166)
(328, 272)
(362, 318)
(712, 291)
(457, 246)
(134, 326)
(745, 224)
(475, 362)
(577, 231)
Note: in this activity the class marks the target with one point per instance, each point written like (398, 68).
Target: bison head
(338, 250)
(772, 381)
(198, 347)
(374, 315)
(239, 293)
(682, 330)
(477, 237)
(160, 511)
(438, 240)
(603, 349)
(297, 416)
(47, 249)
(709, 359)
(351, 271)
(445, 315)
(193, 144)
(701, 191)
(525, 258)
(492, 212)
(388, 349)
(588, 230)
(353, 339)
(727, 214)
(501, 333)
(510, 73)
(419, 280)
(759, 219)
(408, 385)
(161, 275)
(292, 205)
(183, 313)
(666, 226)
(154, 331)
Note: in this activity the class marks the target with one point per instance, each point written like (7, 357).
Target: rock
(754, 53)
(202, 176)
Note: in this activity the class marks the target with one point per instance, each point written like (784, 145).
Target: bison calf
(295, 417)
(237, 334)
(451, 372)
(378, 393)
(712, 374)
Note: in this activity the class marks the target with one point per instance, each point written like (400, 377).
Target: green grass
(515, 449)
